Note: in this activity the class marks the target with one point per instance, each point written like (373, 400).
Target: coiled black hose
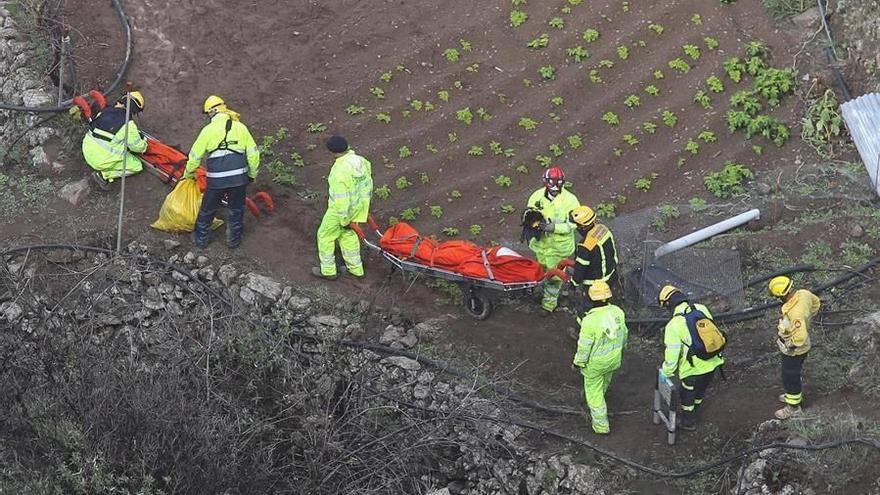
(120, 72)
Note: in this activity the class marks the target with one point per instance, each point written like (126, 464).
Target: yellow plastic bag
(181, 208)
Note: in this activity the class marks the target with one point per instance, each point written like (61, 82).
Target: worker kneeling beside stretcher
(350, 188)
(232, 161)
(599, 351)
(104, 145)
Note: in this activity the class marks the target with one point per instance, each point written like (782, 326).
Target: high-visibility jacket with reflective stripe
(794, 337)
(677, 339)
(560, 242)
(350, 188)
(595, 257)
(103, 147)
(602, 338)
(231, 156)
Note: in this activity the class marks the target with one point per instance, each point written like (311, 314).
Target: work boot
(688, 422)
(201, 244)
(100, 182)
(317, 273)
(788, 412)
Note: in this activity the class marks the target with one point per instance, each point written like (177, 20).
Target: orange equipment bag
(171, 161)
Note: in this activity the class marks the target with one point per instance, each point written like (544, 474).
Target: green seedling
(774, 83)
(528, 123)
(378, 92)
(621, 199)
(547, 72)
(465, 115)
(632, 101)
(652, 90)
(556, 22)
(539, 42)
(404, 152)
(728, 181)
(594, 76)
(622, 52)
(669, 118)
(465, 45)
(316, 127)
(518, 18)
(544, 160)
(483, 114)
(522, 168)
(496, 148)
(450, 231)
(692, 51)
(554, 116)
(452, 136)
(406, 113)
(617, 152)
(424, 178)
(455, 194)
(451, 54)
(698, 204)
(703, 99)
(476, 150)
(590, 35)
(473, 68)
(649, 127)
(696, 20)
(457, 85)
(625, 7)
(657, 28)
(557, 100)
(575, 141)
(417, 105)
(711, 43)
(383, 117)
(565, 10)
(393, 220)
(475, 229)
(528, 83)
(402, 182)
(606, 210)
(556, 150)
(443, 95)
(758, 150)
(746, 101)
(578, 53)
(707, 137)
(382, 192)
(644, 183)
(503, 181)
(692, 147)
(386, 76)
(429, 107)
(658, 74)
(756, 49)
(607, 64)
(755, 65)
(611, 118)
(715, 84)
(410, 213)
(436, 211)
(630, 139)
(507, 209)
(680, 162)
(354, 109)
(431, 148)
(734, 68)
(400, 68)
(295, 158)
(679, 65)
(575, 3)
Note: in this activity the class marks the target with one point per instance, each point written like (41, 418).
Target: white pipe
(707, 232)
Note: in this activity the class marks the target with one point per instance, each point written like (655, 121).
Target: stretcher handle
(357, 230)
(372, 223)
(555, 272)
(566, 263)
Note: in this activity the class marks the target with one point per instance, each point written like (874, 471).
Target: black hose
(120, 72)
(830, 54)
(444, 367)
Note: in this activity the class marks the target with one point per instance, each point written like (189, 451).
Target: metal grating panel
(862, 116)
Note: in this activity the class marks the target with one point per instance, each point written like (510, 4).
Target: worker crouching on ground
(694, 373)
(232, 161)
(556, 243)
(104, 145)
(793, 339)
(599, 351)
(350, 189)
(596, 255)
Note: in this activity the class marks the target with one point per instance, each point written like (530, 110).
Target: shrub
(728, 181)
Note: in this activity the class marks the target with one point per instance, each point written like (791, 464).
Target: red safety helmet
(554, 179)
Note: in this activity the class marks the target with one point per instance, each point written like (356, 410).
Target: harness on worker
(105, 134)
(224, 143)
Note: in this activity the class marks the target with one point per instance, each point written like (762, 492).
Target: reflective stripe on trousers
(329, 232)
(595, 386)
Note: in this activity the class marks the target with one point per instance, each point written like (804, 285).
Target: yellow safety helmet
(779, 286)
(599, 291)
(137, 101)
(666, 294)
(582, 215)
(212, 104)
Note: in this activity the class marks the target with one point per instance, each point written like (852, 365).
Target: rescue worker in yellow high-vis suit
(104, 145)
(793, 339)
(599, 351)
(695, 374)
(557, 241)
(350, 189)
(232, 160)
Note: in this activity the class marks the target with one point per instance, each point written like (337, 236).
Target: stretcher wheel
(477, 305)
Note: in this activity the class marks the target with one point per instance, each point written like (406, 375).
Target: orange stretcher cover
(171, 161)
(460, 256)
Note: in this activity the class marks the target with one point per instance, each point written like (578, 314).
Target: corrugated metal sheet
(862, 116)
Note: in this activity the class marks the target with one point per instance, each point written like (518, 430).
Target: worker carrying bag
(707, 341)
